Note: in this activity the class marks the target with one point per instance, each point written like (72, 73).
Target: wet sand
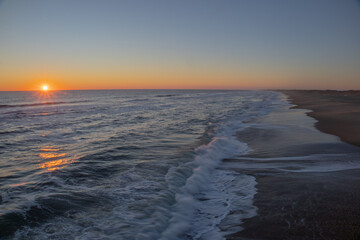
(305, 206)
(308, 182)
(337, 112)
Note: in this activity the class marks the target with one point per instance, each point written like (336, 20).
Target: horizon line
(190, 89)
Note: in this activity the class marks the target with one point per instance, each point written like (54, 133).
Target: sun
(45, 92)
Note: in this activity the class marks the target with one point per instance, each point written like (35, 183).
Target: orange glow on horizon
(171, 78)
(155, 77)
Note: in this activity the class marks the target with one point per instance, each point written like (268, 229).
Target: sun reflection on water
(54, 160)
(50, 149)
(48, 155)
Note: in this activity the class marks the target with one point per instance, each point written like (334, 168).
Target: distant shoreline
(337, 112)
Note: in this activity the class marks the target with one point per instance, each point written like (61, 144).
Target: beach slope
(337, 112)
(307, 181)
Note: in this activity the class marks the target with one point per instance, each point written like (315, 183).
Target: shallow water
(124, 164)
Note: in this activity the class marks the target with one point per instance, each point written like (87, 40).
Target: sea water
(126, 164)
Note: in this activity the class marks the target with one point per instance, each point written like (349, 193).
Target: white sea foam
(201, 183)
(204, 203)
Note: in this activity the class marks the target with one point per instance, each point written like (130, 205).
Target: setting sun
(45, 88)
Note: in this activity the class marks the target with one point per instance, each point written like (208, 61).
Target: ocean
(140, 164)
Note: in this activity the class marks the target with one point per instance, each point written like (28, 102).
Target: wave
(37, 104)
(306, 163)
(152, 192)
(37, 210)
(192, 196)
(14, 131)
(213, 202)
(165, 95)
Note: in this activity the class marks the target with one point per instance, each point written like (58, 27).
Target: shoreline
(307, 181)
(337, 112)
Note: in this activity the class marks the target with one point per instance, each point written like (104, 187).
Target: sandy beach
(319, 201)
(337, 112)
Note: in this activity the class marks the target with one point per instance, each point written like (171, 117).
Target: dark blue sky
(186, 44)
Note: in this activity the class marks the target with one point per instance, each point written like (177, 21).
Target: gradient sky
(227, 44)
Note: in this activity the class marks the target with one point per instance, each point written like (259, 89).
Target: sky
(184, 44)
